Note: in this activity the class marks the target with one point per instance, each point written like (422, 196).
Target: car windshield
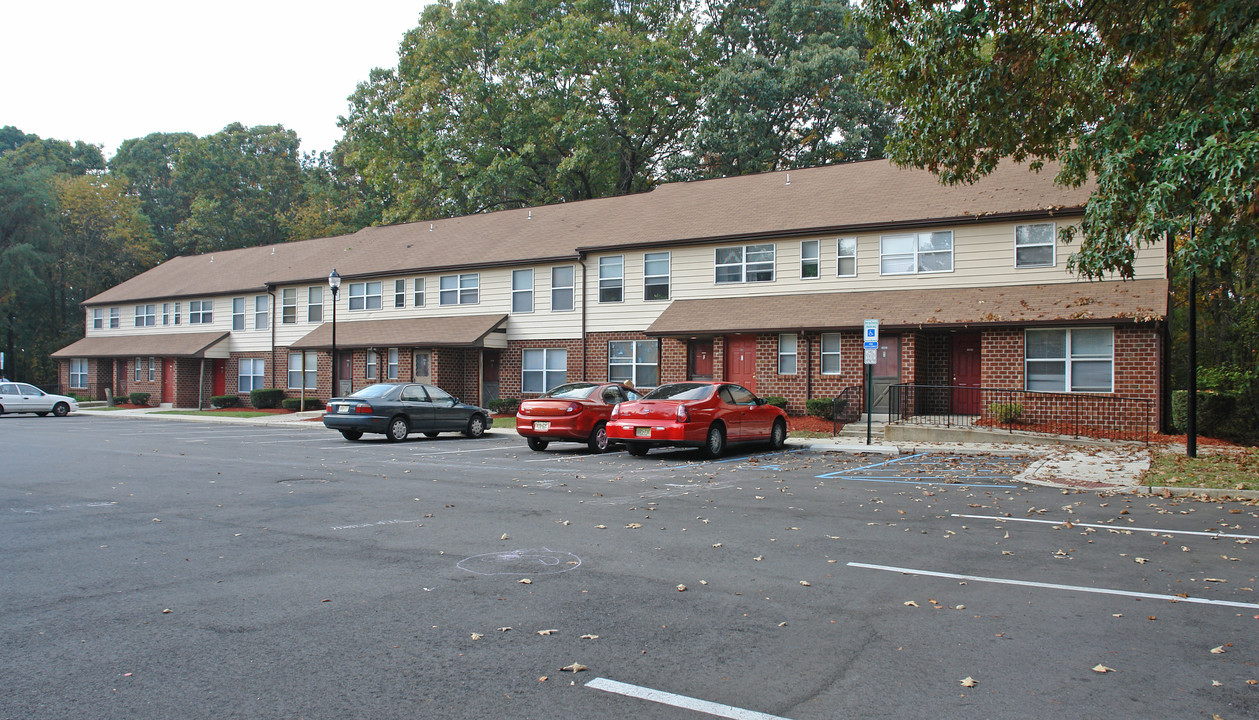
(374, 391)
(571, 391)
(680, 391)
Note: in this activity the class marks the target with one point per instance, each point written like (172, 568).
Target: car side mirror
(454, 401)
(758, 402)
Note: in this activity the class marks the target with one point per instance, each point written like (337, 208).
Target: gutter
(582, 261)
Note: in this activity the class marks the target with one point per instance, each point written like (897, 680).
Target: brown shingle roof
(168, 345)
(1133, 301)
(845, 197)
(466, 331)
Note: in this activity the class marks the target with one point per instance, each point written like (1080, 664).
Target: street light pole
(334, 282)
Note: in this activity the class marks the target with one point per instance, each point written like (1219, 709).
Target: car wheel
(637, 449)
(778, 436)
(715, 445)
(433, 433)
(351, 434)
(598, 442)
(476, 426)
(398, 430)
(538, 444)
(61, 409)
(42, 414)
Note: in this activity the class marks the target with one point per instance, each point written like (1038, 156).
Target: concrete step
(858, 429)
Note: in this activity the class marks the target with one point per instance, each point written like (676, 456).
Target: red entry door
(741, 360)
(219, 380)
(168, 380)
(700, 360)
(966, 374)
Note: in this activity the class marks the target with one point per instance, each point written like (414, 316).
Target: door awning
(181, 344)
(455, 331)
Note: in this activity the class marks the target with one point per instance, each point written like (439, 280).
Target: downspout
(808, 375)
(201, 386)
(582, 261)
(271, 302)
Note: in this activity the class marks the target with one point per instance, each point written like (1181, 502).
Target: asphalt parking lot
(158, 569)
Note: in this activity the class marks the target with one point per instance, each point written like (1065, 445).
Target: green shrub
(778, 402)
(265, 398)
(1215, 411)
(825, 408)
(1006, 413)
(139, 398)
(504, 406)
(296, 405)
(224, 401)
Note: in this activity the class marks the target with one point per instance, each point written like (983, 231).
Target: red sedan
(706, 415)
(576, 412)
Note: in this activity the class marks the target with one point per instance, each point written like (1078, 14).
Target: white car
(16, 397)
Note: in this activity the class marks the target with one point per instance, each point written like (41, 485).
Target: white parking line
(1160, 531)
(457, 452)
(681, 701)
(1055, 586)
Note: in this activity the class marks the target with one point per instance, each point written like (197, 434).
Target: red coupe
(576, 412)
(706, 415)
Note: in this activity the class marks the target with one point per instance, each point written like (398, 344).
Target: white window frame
(788, 353)
(115, 318)
(538, 377)
(657, 279)
(461, 289)
(152, 369)
(416, 356)
(840, 256)
(371, 369)
(417, 294)
(146, 315)
(559, 290)
(98, 318)
(1023, 240)
(834, 355)
(632, 366)
(288, 306)
(314, 304)
(238, 313)
(177, 315)
(1069, 360)
(522, 291)
(78, 372)
(166, 313)
(137, 372)
(365, 295)
(255, 369)
(303, 369)
(400, 293)
(736, 259)
(262, 311)
(202, 315)
(391, 365)
(806, 260)
(612, 278)
(916, 255)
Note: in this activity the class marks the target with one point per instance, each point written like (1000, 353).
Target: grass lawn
(1223, 468)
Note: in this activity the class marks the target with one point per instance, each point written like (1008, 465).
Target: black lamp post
(334, 282)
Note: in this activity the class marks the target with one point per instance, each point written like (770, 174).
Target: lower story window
(304, 370)
(391, 370)
(78, 372)
(1070, 360)
(543, 369)
(635, 361)
(252, 374)
(830, 354)
(787, 354)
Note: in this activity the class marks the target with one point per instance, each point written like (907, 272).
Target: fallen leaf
(1099, 668)
(759, 558)
(1218, 650)
(504, 629)
(589, 637)
(1252, 682)
(716, 545)
(525, 581)
(547, 632)
(542, 679)
(681, 588)
(1140, 560)
(634, 526)
(1213, 580)
(575, 667)
(477, 636)
(167, 611)
(782, 624)
(911, 603)
(505, 537)
(1216, 683)
(601, 527)
(969, 681)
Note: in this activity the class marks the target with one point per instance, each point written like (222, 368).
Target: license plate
(343, 408)
(541, 425)
(642, 432)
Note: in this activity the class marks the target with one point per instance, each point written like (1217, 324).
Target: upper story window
(562, 284)
(810, 259)
(238, 314)
(522, 291)
(656, 276)
(464, 289)
(314, 304)
(177, 316)
(166, 313)
(98, 318)
(611, 279)
(262, 310)
(365, 295)
(114, 318)
(418, 287)
(924, 252)
(745, 263)
(846, 257)
(1034, 245)
(200, 312)
(399, 293)
(1075, 360)
(146, 315)
(288, 306)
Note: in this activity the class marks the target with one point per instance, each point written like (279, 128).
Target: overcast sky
(104, 71)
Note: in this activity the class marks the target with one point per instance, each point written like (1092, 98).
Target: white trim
(839, 243)
(817, 259)
(1052, 245)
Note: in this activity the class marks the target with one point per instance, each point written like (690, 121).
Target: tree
(334, 201)
(525, 102)
(150, 167)
(1155, 102)
(785, 93)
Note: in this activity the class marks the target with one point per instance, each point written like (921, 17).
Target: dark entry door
(168, 380)
(345, 374)
(741, 360)
(966, 374)
(491, 361)
(700, 360)
(887, 371)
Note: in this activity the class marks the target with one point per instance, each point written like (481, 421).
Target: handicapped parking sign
(871, 335)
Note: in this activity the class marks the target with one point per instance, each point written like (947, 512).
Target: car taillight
(683, 415)
(363, 409)
(572, 409)
(616, 411)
